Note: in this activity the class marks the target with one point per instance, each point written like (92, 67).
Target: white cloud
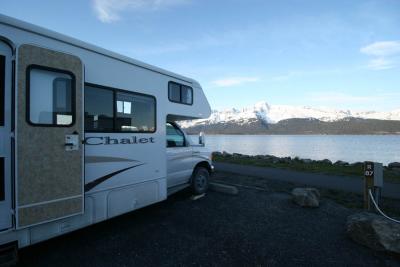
(337, 97)
(333, 98)
(109, 10)
(380, 64)
(378, 99)
(203, 41)
(380, 53)
(380, 49)
(232, 81)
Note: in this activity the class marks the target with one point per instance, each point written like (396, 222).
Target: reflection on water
(350, 148)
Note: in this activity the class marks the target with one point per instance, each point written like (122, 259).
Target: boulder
(394, 165)
(357, 164)
(374, 231)
(326, 161)
(217, 153)
(225, 154)
(284, 160)
(275, 161)
(341, 163)
(306, 197)
(266, 157)
(224, 188)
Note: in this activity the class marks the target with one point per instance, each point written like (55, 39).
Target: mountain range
(263, 118)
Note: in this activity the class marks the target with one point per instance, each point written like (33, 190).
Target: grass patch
(314, 166)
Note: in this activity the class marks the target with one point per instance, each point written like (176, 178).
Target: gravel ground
(254, 228)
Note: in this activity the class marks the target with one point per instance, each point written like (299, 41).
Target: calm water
(350, 148)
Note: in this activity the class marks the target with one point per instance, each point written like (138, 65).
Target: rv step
(8, 254)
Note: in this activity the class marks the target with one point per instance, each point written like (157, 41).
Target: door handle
(71, 142)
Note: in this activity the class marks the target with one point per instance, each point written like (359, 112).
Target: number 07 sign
(369, 169)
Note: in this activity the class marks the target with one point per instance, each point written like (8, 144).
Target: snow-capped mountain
(272, 114)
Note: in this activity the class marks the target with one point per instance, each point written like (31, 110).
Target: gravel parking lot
(254, 228)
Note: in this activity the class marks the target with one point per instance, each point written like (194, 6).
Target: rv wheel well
(203, 164)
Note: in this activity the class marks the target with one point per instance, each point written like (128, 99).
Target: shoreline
(391, 171)
(299, 134)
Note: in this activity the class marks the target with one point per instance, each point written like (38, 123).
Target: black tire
(200, 180)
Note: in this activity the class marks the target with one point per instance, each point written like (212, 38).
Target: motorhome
(87, 134)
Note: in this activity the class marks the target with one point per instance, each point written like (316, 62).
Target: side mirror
(202, 140)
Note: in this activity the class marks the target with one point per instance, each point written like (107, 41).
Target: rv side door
(49, 173)
(5, 136)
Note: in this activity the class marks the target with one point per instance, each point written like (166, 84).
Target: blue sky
(338, 54)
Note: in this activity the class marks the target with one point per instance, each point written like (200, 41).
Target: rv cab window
(175, 137)
(50, 97)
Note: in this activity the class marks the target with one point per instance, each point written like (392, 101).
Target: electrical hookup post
(373, 180)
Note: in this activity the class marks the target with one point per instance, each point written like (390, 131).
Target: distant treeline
(302, 126)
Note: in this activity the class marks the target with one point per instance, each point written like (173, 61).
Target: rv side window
(99, 109)
(174, 92)
(135, 113)
(186, 95)
(180, 93)
(114, 110)
(50, 97)
(175, 137)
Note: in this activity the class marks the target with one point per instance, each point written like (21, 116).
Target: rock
(326, 161)
(393, 165)
(224, 188)
(272, 158)
(275, 161)
(357, 164)
(306, 197)
(284, 160)
(374, 231)
(225, 154)
(341, 163)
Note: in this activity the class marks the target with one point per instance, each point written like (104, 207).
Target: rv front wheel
(200, 180)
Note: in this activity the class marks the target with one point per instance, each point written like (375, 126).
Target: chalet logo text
(107, 140)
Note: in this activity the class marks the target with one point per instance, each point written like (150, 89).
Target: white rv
(87, 134)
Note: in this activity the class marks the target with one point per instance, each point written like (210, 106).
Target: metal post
(368, 183)
(373, 180)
